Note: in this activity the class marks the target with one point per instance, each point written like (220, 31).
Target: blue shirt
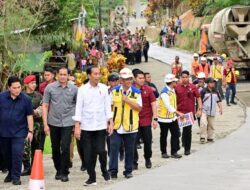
(13, 115)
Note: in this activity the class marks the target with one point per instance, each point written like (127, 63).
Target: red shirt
(186, 97)
(146, 114)
(42, 87)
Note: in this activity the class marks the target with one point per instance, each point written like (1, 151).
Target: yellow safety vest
(124, 115)
(162, 110)
(229, 75)
(216, 72)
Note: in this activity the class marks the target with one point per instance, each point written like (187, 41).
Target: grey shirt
(62, 102)
(209, 101)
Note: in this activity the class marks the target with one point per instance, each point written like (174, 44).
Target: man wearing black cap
(210, 97)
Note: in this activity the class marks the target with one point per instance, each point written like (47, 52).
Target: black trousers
(187, 138)
(145, 53)
(94, 144)
(13, 150)
(146, 134)
(138, 56)
(80, 151)
(60, 141)
(174, 130)
(3, 156)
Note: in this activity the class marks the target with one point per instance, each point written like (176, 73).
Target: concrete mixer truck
(229, 33)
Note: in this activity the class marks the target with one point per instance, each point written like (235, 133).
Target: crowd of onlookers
(169, 30)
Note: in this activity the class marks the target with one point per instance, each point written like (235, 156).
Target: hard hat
(126, 73)
(237, 73)
(201, 75)
(203, 59)
(170, 78)
(224, 56)
(196, 55)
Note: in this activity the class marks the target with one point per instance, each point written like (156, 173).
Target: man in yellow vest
(230, 82)
(216, 72)
(127, 104)
(167, 117)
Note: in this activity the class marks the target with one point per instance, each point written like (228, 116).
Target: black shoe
(202, 140)
(130, 175)
(139, 146)
(70, 164)
(7, 179)
(90, 182)
(233, 102)
(58, 176)
(64, 178)
(16, 182)
(176, 155)
(106, 177)
(25, 172)
(210, 140)
(4, 171)
(187, 152)
(83, 168)
(135, 167)
(165, 155)
(228, 104)
(148, 163)
(113, 176)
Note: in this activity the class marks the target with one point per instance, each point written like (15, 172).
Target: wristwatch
(155, 119)
(30, 131)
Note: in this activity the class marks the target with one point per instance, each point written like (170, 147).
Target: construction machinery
(229, 33)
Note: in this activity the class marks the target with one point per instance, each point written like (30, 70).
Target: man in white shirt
(127, 104)
(93, 118)
(167, 117)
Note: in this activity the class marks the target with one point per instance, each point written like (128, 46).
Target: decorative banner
(186, 120)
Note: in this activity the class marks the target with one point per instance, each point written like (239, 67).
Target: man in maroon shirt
(48, 77)
(186, 93)
(147, 118)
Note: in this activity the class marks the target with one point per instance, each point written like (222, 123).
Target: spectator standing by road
(145, 48)
(58, 108)
(230, 82)
(16, 125)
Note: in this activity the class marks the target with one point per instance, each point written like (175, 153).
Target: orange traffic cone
(37, 173)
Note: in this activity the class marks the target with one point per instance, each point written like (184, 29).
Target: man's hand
(46, 129)
(124, 98)
(198, 113)
(110, 127)
(154, 124)
(180, 114)
(29, 137)
(77, 131)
